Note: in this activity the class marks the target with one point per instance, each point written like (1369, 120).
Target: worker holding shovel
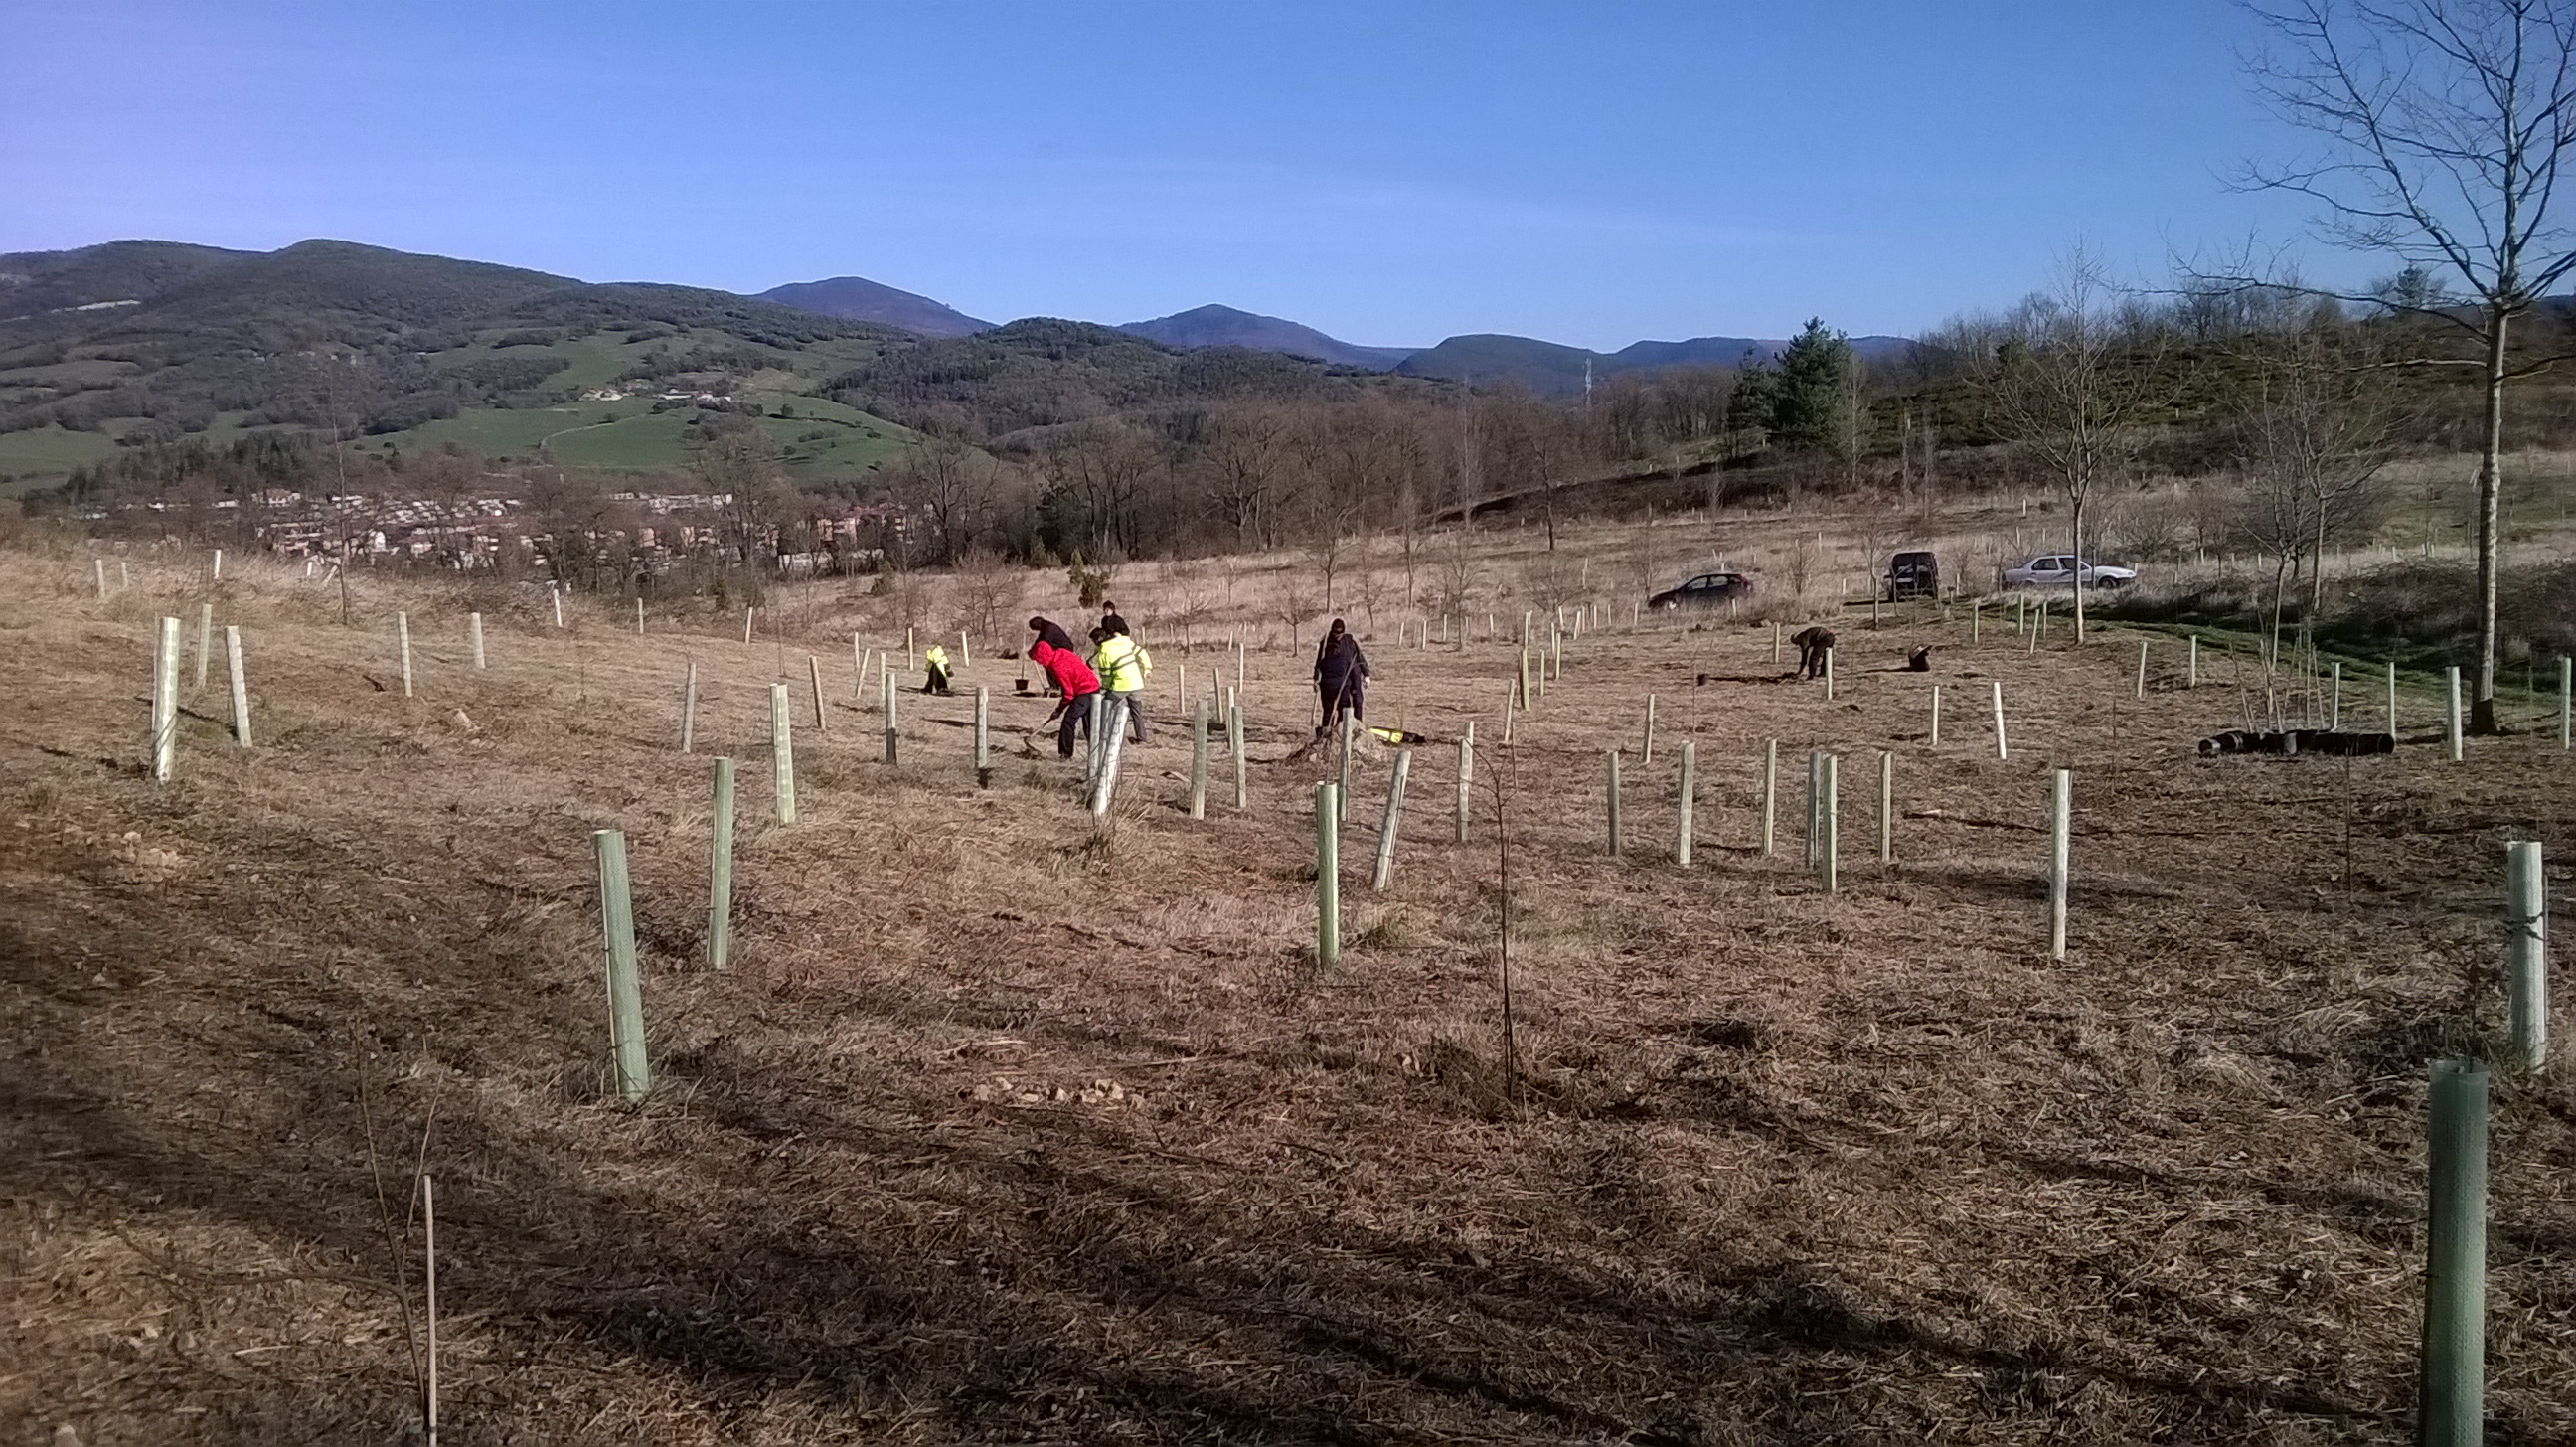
(1341, 677)
(1073, 679)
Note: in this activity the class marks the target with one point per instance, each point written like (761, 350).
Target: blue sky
(1393, 172)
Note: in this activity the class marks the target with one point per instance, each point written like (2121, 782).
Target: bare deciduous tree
(2072, 384)
(989, 588)
(2444, 122)
(2315, 438)
(954, 483)
(1241, 466)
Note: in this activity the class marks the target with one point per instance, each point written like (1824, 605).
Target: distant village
(486, 532)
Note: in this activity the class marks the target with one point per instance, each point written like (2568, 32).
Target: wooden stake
(747, 613)
(1113, 716)
(1466, 775)
(429, 1267)
(1094, 710)
(2142, 668)
(1234, 746)
(1976, 620)
(1616, 841)
(689, 711)
(1647, 754)
(720, 872)
(1770, 791)
(205, 641)
(1689, 802)
(2061, 791)
(1198, 760)
(2451, 721)
(402, 638)
(2000, 753)
(983, 737)
(2526, 957)
(1344, 780)
(2453, 1371)
(1829, 811)
(1886, 807)
(1328, 889)
(625, 993)
(893, 730)
(2392, 700)
(1815, 830)
(241, 691)
(2566, 697)
(554, 595)
(1394, 816)
(1775, 643)
(814, 672)
(858, 669)
(165, 701)
(782, 754)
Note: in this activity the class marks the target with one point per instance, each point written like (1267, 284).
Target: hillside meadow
(1010, 1124)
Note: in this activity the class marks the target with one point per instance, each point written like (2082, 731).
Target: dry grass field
(1011, 1127)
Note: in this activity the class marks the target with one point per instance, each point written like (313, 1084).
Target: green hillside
(136, 344)
(112, 351)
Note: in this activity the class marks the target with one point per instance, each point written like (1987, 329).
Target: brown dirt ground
(1010, 1129)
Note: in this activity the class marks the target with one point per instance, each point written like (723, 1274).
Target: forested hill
(142, 342)
(1045, 372)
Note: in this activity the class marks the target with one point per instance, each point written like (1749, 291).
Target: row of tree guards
(1527, 686)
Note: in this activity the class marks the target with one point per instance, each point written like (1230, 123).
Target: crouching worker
(1074, 679)
(934, 660)
(1813, 645)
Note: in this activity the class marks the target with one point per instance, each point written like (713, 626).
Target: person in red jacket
(1075, 680)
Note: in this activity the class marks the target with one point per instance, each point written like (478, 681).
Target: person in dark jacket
(1341, 677)
(1051, 633)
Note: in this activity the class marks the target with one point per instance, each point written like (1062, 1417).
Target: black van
(1913, 575)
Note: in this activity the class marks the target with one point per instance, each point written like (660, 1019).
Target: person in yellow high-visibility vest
(1123, 666)
(935, 660)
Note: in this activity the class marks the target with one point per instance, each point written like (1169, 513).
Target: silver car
(2059, 570)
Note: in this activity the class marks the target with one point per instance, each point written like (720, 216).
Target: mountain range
(1479, 359)
(109, 350)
